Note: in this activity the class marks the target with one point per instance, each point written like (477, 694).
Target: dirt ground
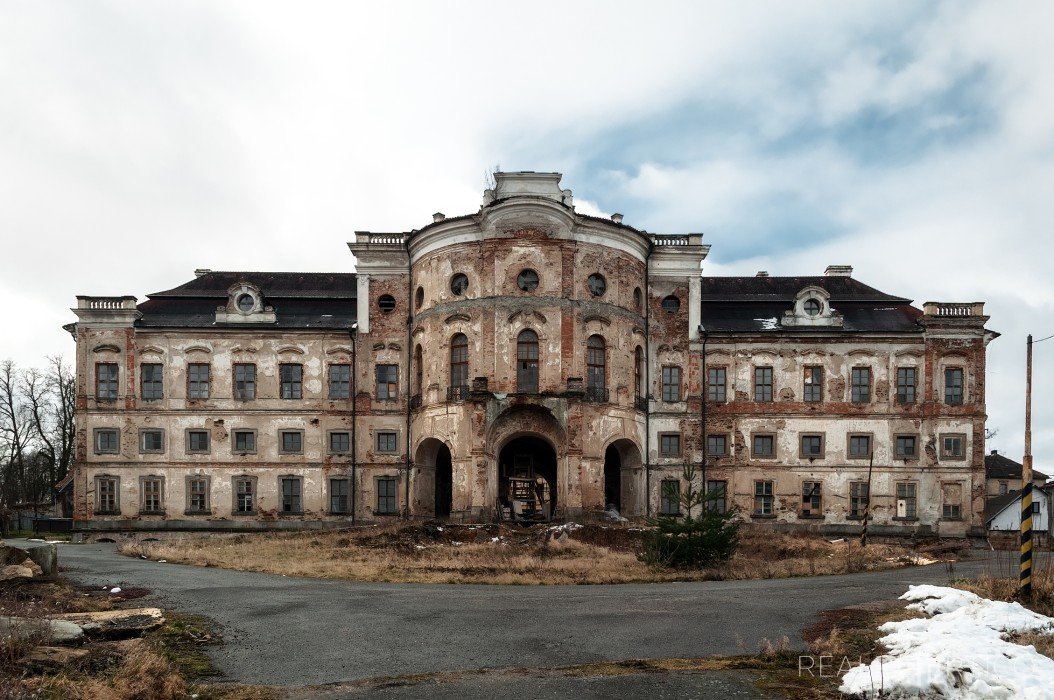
(511, 554)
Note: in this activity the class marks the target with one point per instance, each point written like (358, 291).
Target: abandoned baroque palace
(526, 340)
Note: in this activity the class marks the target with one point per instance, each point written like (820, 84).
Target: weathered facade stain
(605, 426)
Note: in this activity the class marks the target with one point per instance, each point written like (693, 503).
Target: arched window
(459, 361)
(638, 371)
(418, 370)
(595, 370)
(527, 362)
(419, 299)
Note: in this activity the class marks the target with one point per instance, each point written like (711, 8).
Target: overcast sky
(914, 141)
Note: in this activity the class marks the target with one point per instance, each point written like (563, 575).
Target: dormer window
(812, 307)
(245, 304)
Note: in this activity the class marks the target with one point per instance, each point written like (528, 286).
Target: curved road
(293, 632)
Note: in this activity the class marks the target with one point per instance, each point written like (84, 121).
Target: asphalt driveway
(294, 632)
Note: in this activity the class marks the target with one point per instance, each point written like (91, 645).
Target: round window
(527, 280)
(671, 304)
(246, 302)
(812, 307)
(597, 285)
(459, 284)
(386, 303)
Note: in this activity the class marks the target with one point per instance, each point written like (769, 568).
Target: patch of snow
(769, 324)
(960, 652)
(419, 546)
(566, 527)
(616, 516)
(115, 589)
(162, 561)
(495, 539)
(456, 543)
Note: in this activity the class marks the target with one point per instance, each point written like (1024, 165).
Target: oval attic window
(527, 281)
(386, 303)
(246, 302)
(812, 307)
(459, 284)
(597, 285)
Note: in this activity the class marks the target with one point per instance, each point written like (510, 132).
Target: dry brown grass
(501, 554)
(141, 675)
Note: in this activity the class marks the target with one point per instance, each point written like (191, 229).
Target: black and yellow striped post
(1026, 541)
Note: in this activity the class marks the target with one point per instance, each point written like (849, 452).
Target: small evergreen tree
(691, 542)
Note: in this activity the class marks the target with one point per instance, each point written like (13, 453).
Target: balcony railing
(415, 402)
(596, 394)
(457, 393)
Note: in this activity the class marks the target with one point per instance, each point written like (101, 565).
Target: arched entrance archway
(528, 458)
(624, 477)
(444, 483)
(434, 482)
(612, 479)
(541, 436)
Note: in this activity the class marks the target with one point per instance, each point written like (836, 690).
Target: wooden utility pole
(867, 502)
(1026, 483)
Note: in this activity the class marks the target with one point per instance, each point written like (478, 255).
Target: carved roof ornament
(527, 315)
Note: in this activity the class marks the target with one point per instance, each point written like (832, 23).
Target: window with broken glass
(953, 386)
(244, 381)
(106, 494)
(857, 498)
(198, 495)
(527, 362)
(763, 384)
(811, 497)
(245, 495)
(387, 382)
(151, 494)
(763, 498)
(906, 383)
(198, 380)
(906, 500)
(106, 381)
(953, 446)
(292, 380)
(813, 390)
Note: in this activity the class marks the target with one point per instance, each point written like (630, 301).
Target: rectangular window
(106, 498)
(106, 381)
(670, 497)
(857, 499)
(763, 384)
(811, 446)
(953, 386)
(859, 446)
(953, 500)
(245, 495)
(244, 381)
(339, 442)
(387, 495)
(717, 496)
(292, 381)
(339, 490)
(811, 498)
(716, 384)
(197, 495)
(151, 441)
(813, 390)
(291, 494)
(151, 382)
(671, 384)
(339, 381)
(387, 382)
(861, 385)
(387, 442)
(763, 499)
(292, 442)
(764, 446)
(906, 383)
(907, 503)
(907, 447)
(245, 441)
(198, 441)
(953, 446)
(151, 494)
(717, 445)
(198, 380)
(670, 444)
(107, 441)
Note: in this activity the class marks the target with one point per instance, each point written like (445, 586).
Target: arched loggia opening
(624, 478)
(527, 463)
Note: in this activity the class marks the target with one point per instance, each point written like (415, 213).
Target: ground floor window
(387, 495)
(906, 500)
(670, 497)
(763, 498)
(151, 488)
(106, 498)
(338, 495)
(953, 500)
(245, 495)
(858, 491)
(197, 495)
(811, 498)
(717, 496)
(291, 502)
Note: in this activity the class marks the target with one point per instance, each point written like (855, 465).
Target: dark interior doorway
(528, 458)
(444, 488)
(612, 479)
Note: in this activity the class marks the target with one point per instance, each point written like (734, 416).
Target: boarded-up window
(811, 498)
(907, 501)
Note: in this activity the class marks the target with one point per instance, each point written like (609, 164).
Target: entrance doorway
(526, 459)
(612, 479)
(444, 489)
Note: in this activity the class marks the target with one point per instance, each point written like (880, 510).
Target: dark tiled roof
(274, 285)
(840, 288)
(289, 314)
(757, 305)
(994, 505)
(996, 466)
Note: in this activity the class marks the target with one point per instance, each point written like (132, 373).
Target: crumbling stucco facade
(532, 334)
